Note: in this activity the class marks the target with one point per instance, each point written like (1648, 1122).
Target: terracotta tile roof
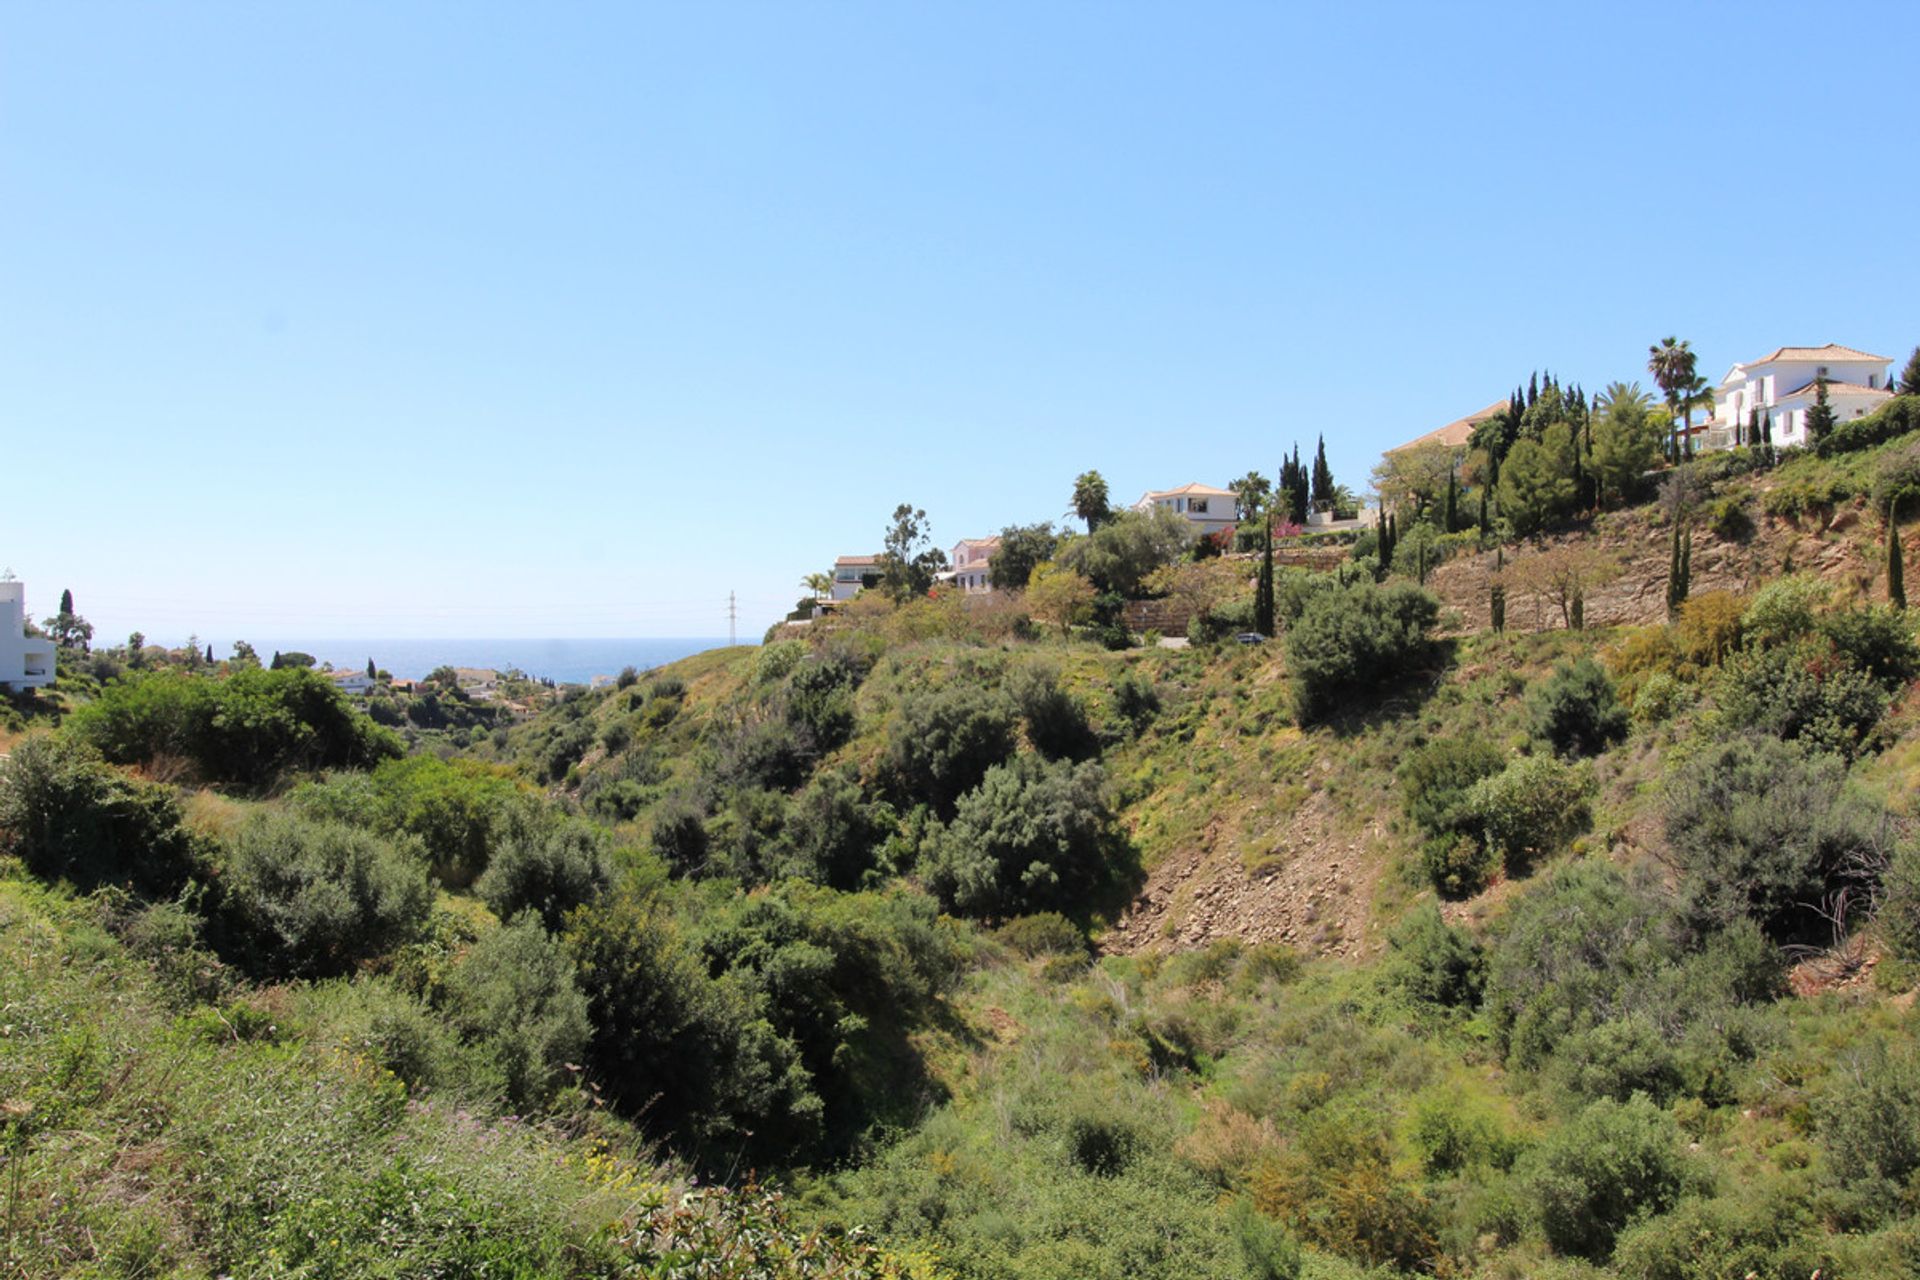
(1835, 388)
(1195, 490)
(856, 561)
(1457, 433)
(1832, 351)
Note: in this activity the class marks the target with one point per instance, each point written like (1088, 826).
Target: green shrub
(373, 1016)
(1783, 610)
(1617, 1059)
(1877, 640)
(1900, 907)
(819, 702)
(455, 808)
(318, 898)
(1454, 1132)
(1034, 836)
(1047, 933)
(837, 831)
(1891, 420)
(1609, 1165)
(1728, 518)
(515, 998)
(679, 834)
(1769, 1234)
(246, 727)
(1349, 644)
(1761, 828)
(1435, 780)
(1869, 1123)
(1660, 699)
(545, 864)
(1801, 691)
(945, 741)
(1135, 701)
(68, 816)
(1577, 710)
(1433, 963)
(776, 661)
(1056, 722)
(1529, 809)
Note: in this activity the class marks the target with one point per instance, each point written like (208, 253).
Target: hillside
(1391, 946)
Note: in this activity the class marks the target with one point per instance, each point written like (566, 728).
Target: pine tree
(1322, 478)
(1910, 380)
(1896, 571)
(1263, 594)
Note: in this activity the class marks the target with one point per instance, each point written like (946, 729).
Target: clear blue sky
(505, 320)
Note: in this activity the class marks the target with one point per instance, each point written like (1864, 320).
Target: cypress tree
(1386, 542)
(372, 671)
(1322, 476)
(1450, 514)
(1533, 389)
(1263, 593)
(1497, 593)
(1910, 378)
(209, 655)
(1676, 580)
(1483, 507)
(275, 664)
(66, 602)
(1896, 571)
(1579, 611)
(1820, 416)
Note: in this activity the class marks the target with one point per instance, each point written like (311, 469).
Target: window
(1199, 505)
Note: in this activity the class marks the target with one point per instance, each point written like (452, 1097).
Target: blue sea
(563, 661)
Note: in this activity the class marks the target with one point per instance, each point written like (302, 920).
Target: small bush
(515, 997)
(1869, 1122)
(1890, 421)
(1056, 723)
(1783, 610)
(1877, 640)
(1529, 809)
(1660, 699)
(1350, 643)
(68, 816)
(837, 831)
(1577, 710)
(317, 898)
(547, 865)
(1801, 691)
(1709, 627)
(776, 661)
(1761, 829)
(1728, 519)
(1433, 963)
(1034, 836)
(944, 742)
(1046, 934)
(1609, 1165)
(679, 834)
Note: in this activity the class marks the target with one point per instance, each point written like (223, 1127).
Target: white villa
(850, 573)
(1206, 508)
(357, 684)
(970, 558)
(1780, 386)
(26, 662)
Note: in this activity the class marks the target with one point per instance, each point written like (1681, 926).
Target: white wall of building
(1781, 389)
(25, 663)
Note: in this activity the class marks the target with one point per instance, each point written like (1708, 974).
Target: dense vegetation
(838, 915)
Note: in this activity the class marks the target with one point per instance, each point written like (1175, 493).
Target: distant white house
(1206, 508)
(1781, 386)
(26, 662)
(356, 684)
(970, 560)
(851, 573)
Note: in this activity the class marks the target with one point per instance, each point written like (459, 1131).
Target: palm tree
(818, 583)
(1090, 499)
(1623, 397)
(1671, 363)
(1696, 394)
